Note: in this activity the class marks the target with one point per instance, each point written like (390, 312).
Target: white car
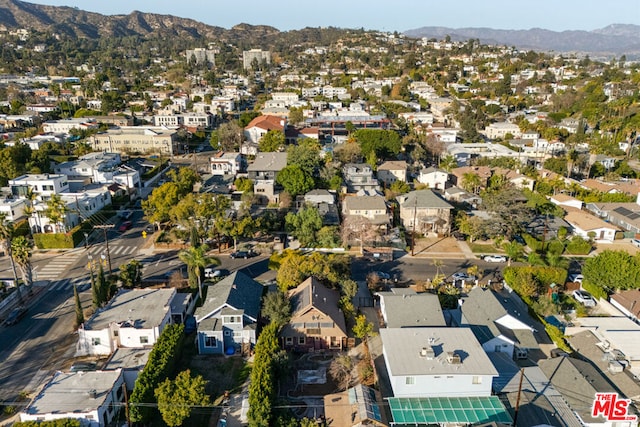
(584, 298)
(495, 258)
(211, 273)
(461, 275)
(636, 243)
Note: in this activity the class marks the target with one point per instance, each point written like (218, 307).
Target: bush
(63, 422)
(557, 336)
(595, 290)
(578, 246)
(532, 242)
(54, 240)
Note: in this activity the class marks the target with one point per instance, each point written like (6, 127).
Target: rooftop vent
(93, 393)
(453, 358)
(427, 352)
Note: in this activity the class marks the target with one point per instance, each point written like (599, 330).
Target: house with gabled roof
(436, 362)
(316, 321)
(392, 171)
(499, 322)
(434, 177)
(586, 225)
(227, 320)
(425, 212)
(405, 308)
(258, 127)
(628, 302)
(373, 208)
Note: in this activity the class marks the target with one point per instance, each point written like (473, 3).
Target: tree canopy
(384, 143)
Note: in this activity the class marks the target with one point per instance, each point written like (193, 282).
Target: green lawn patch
(484, 248)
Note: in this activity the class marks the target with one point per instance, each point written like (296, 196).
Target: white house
(226, 163)
(433, 177)
(65, 125)
(43, 185)
(586, 225)
(562, 199)
(392, 171)
(95, 398)
(436, 362)
(133, 318)
(12, 208)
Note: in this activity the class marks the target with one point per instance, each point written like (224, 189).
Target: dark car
(15, 315)
(242, 254)
(125, 226)
(150, 228)
(459, 236)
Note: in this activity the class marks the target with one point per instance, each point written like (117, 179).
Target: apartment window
(410, 380)
(288, 340)
(144, 340)
(476, 379)
(95, 341)
(237, 334)
(210, 342)
(301, 340)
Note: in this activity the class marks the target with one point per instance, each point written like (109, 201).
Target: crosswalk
(64, 285)
(57, 265)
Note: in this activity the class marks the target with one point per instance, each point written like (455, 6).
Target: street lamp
(86, 240)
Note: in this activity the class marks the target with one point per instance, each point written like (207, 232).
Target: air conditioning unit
(454, 358)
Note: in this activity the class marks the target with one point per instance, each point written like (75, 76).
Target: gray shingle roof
(423, 199)
(412, 310)
(236, 290)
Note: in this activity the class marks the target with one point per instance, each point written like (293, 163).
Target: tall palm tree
(31, 210)
(448, 163)
(21, 251)
(6, 236)
(196, 260)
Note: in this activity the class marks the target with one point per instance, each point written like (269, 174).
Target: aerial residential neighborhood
(324, 227)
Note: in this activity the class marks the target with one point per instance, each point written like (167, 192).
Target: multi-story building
(260, 56)
(201, 55)
(136, 139)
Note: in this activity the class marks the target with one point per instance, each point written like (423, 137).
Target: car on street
(461, 275)
(495, 258)
(150, 228)
(459, 236)
(125, 226)
(584, 298)
(242, 254)
(636, 243)
(16, 315)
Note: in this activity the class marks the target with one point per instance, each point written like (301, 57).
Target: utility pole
(515, 415)
(413, 232)
(126, 403)
(104, 229)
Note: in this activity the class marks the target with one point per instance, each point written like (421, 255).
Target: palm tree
(471, 182)
(448, 162)
(56, 211)
(196, 259)
(6, 236)
(31, 210)
(21, 251)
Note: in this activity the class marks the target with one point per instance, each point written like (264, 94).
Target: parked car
(576, 278)
(83, 366)
(16, 315)
(150, 228)
(243, 254)
(636, 243)
(584, 298)
(459, 236)
(125, 226)
(461, 275)
(495, 258)
(215, 273)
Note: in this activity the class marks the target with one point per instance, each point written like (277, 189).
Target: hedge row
(160, 365)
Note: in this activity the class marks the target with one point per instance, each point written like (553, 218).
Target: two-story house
(133, 318)
(226, 163)
(228, 317)
(264, 171)
(433, 177)
(392, 171)
(425, 212)
(436, 362)
(316, 321)
(372, 208)
(258, 127)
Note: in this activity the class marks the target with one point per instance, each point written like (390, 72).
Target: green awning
(436, 410)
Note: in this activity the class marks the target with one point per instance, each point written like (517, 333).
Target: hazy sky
(391, 15)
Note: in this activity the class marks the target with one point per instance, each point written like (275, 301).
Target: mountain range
(613, 40)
